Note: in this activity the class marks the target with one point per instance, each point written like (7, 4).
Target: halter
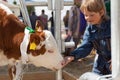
(24, 44)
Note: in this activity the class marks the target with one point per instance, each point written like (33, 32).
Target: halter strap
(24, 44)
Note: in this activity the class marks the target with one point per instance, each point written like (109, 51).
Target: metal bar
(66, 3)
(57, 8)
(36, 4)
(25, 12)
(105, 77)
(115, 34)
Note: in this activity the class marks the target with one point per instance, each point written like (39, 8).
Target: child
(97, 35)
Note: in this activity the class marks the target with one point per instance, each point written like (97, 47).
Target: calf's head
(44, 50)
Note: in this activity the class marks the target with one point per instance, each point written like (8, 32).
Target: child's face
(93, 17)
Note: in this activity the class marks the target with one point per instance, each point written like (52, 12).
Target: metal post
(57, 8)
(50, 4)
(115, 34)
(25, 12)
(58, 23)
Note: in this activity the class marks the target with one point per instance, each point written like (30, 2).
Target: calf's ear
(34, 39)
(39, 27)
(41, 35)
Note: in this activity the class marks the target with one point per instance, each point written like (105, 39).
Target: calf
(19, 45)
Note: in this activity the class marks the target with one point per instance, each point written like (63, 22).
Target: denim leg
(95, 70)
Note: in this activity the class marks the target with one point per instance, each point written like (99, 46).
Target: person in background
(97, 35)
(51, 19)
(83, 25)
(66, 19)
(44, 19)
(74, 24)
(72, 33)
(33, 18)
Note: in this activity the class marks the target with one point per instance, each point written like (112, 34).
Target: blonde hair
(94, 6)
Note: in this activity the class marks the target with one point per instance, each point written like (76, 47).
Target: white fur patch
(19, 71)
(4, 60)
(24, 45)
(6, 9)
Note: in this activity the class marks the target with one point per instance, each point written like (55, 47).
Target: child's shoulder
(107, 22)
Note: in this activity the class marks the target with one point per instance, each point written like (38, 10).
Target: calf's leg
(16, 71)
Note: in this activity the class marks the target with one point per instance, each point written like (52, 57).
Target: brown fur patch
(37, 52)
(10, 26)
(12, 34)
(37, 38)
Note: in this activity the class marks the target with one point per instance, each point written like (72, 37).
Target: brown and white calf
(19, 46)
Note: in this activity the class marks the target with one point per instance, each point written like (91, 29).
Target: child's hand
(67, 60)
